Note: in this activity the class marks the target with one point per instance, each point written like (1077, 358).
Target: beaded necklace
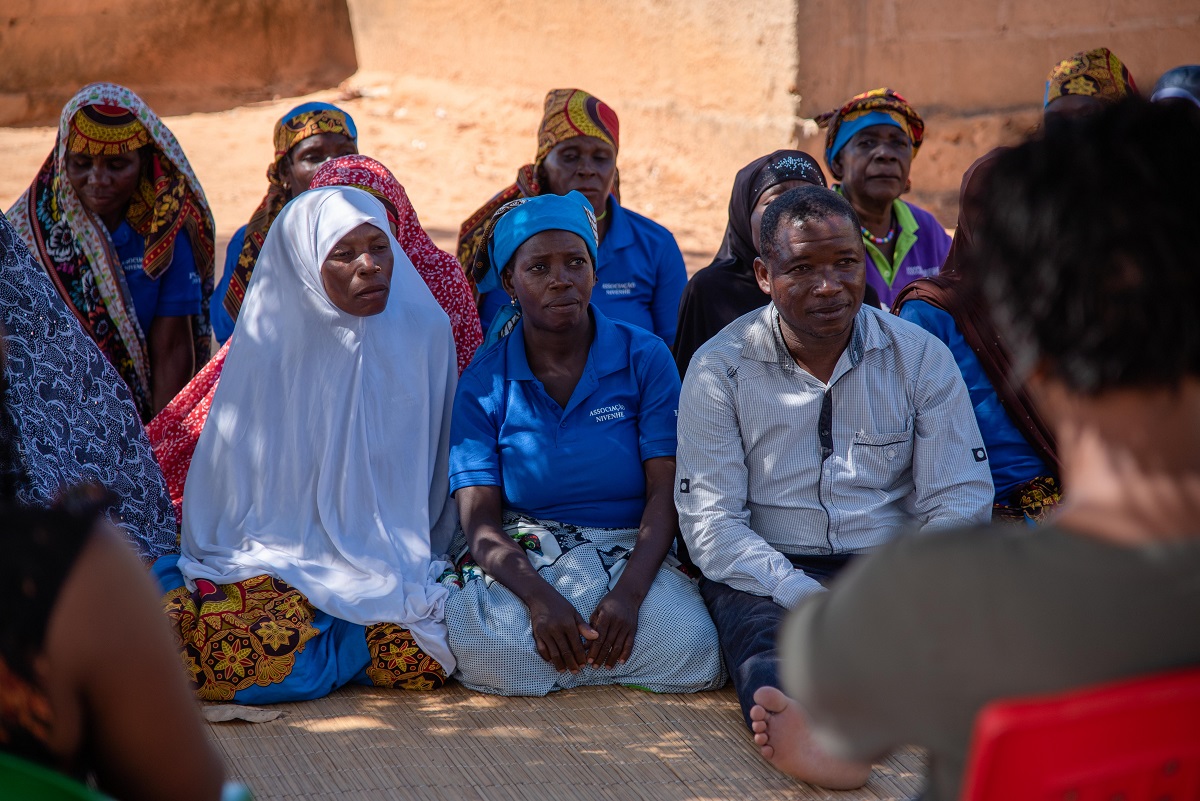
(886, 239)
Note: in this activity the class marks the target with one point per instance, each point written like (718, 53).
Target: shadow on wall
(180, 56)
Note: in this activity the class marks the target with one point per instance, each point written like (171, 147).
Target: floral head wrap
(305, 120)
(73, 248)
(440, 271)
(876, 107)
(567, 113)
(1092, 73)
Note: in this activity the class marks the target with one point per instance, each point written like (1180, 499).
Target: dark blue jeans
(748, 624)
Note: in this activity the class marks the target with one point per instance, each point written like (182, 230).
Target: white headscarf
(324, 460)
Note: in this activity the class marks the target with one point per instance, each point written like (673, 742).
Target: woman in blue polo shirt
(562, 463)
(639, 270)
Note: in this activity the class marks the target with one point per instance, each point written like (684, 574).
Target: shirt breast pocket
(880, 461)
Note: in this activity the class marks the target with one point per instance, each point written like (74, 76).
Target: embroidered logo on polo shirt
(980, 454)
(619, 288)
(685, 485)
(605, 413)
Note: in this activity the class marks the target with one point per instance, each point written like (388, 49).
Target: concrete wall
(179, 56)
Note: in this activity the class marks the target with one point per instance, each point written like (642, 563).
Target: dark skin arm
(172, 358)
(117, 686)
(557, 625)
(616, 616)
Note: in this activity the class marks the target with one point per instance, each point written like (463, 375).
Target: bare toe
(771, 699)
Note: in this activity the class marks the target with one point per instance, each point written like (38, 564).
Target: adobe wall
(181, 56)
(700, 85)
(976, 70)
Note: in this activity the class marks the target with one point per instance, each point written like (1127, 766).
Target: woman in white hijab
(317, 498)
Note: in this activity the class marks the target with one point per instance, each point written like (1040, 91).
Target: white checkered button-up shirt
(772, 461)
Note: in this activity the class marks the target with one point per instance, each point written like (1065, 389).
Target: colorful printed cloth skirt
(675, 649)
(260, 641)
(1029, 502)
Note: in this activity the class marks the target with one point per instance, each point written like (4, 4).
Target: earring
(515, 304)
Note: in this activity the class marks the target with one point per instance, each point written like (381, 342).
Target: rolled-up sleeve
(711, 491)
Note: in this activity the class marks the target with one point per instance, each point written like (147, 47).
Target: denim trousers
(747, 626)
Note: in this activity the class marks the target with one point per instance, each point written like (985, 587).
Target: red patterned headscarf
(568, 113)
(440, 271)
(297, 125)
(1092, 73)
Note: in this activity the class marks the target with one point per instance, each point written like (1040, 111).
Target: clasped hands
(561, 633)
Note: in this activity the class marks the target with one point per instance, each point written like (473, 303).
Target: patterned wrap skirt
(260, 641)
(675, 649)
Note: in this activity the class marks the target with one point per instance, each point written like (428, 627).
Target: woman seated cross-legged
(563, 467)
(318, 491)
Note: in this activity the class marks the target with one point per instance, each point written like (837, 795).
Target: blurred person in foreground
(1021, 450)
(1091, 220)
(90, 682)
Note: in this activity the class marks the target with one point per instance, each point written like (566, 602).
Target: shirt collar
(607, 354)
(620, 231)
(764, 341)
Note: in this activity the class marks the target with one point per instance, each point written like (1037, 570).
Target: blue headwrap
(516, 222)
(849, 129)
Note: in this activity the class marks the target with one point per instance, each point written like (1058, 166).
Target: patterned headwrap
(308, 119)
(105, 131)
(440, 271)
(568, 113)
(876, 107)
(75, 250)
(1092, 73)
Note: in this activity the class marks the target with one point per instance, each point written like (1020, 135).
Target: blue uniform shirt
(580, 465)
(175, 293)
(639, 278)
(1012, 459)
(222, 323)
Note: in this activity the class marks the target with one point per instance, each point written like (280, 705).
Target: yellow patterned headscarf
(567, 113)
(305, 120)
(573, 112)
(103, 130)
(1092, 73)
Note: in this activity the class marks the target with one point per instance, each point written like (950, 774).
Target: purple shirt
(921, 248)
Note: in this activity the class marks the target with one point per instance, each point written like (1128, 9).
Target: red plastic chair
(1132, 740)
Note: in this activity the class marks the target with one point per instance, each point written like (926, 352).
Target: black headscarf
(726, 289)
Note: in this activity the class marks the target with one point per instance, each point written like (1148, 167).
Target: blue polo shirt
(175, 293)
(640, 275)
(580, 465)
(1012, 459)
(222, 323)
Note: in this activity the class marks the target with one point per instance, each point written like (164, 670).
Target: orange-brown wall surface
(179, 55)
(976, 70)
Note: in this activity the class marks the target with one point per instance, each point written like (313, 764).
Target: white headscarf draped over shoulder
(324, 460)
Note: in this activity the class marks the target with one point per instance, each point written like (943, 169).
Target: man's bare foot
(781, 732)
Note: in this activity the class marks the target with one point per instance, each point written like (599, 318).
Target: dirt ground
(429, 134)
(450, 160)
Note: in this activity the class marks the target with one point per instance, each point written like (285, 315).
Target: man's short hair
(1087, 249)
(801, 204)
